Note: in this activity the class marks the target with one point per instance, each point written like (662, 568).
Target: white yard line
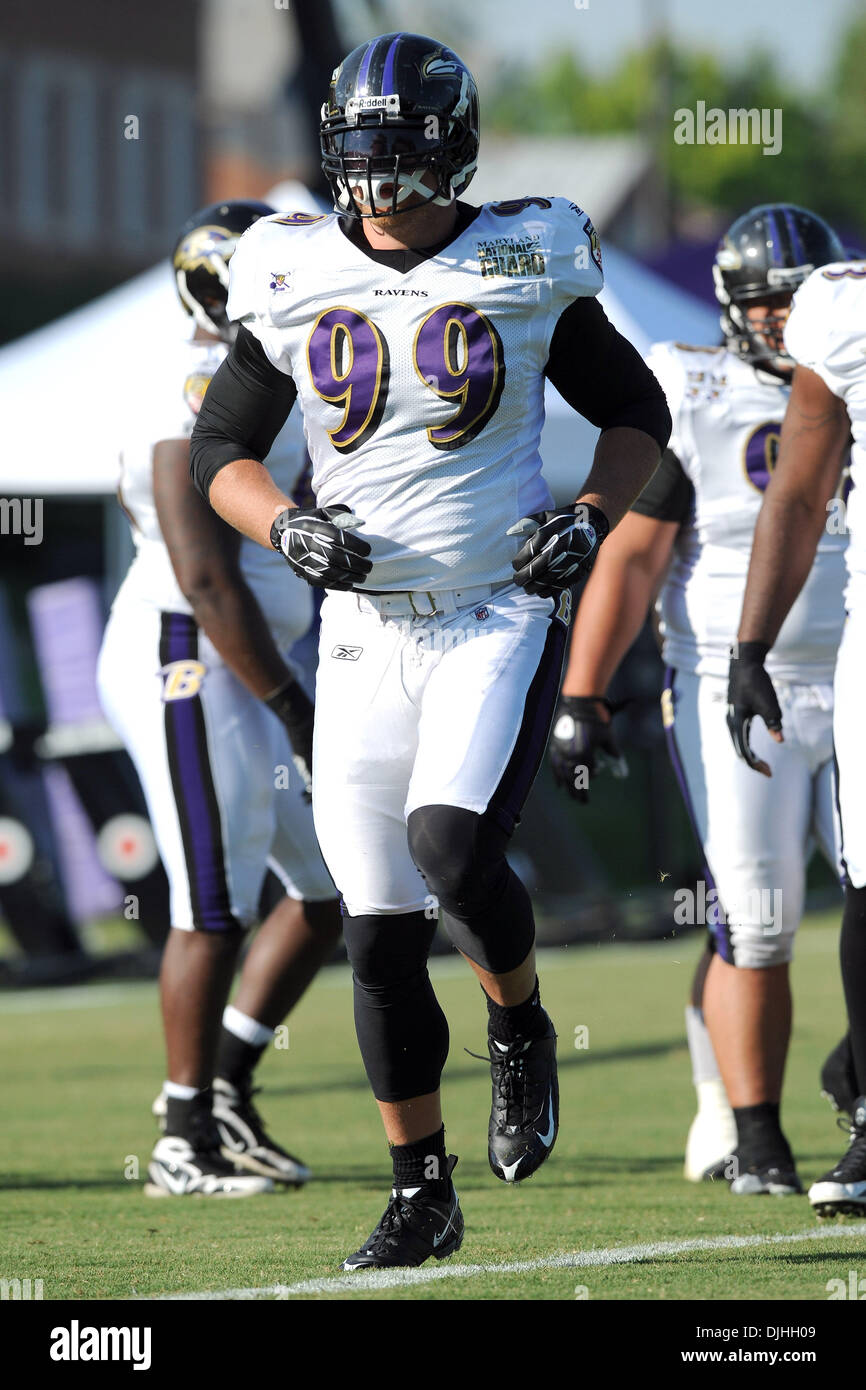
(373, 1280)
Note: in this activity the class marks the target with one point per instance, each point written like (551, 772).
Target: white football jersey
(170, 414)
(727, 416)
(422, 392)
(826, 331)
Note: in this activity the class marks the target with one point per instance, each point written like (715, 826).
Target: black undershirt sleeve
(602, 376)
(244, 408)
(669, 494)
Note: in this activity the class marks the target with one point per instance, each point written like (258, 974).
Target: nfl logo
(482, 614)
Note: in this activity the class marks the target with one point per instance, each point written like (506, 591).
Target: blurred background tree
(823, 153)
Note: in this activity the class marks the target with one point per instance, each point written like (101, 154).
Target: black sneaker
(178, 1170)
(842, 1191)
(524, 1115)
(838, 1081)
(245, 1140)
(413, 1227)
(756, 1174)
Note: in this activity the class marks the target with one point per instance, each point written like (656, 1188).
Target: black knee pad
(402, 1031)
(460, 855)
(852, 953)
(486, 909)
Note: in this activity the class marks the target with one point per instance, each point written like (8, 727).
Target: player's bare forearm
(814, 438)
(204, 555)
(230, 616)
(614, 605)
(624, 461)
(245, 495)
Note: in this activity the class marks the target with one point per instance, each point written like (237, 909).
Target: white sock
(249, 1030)
(704, 1064)
(179, 1092)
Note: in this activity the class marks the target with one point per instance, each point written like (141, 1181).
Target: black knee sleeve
(852, 954)
(402, 1032)
(486, 909)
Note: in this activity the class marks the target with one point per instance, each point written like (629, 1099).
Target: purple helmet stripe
(774, 243)
(388, 71)
(365, 68)
(796, 242)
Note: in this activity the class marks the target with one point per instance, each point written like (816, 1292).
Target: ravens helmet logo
(202, 246)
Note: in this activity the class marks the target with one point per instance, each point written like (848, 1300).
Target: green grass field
(83, 1066)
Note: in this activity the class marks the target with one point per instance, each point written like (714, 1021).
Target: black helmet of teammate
(398, 107)
(765, 254)
(204, 247)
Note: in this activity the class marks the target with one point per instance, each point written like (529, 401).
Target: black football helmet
(204, 247)
(764, 256)
(398, 106)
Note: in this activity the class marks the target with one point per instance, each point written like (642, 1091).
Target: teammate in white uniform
(691, 532)
(826, 336)
(194, 654)
(417, 332)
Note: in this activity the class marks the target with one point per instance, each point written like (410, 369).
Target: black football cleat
(767, 1174)
(838, 1081)
(177, 1169)
(842, 1191)
(524, 1115)
(246, 1142)
(414, 1226)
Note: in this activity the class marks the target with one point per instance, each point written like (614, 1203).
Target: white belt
(421, 603)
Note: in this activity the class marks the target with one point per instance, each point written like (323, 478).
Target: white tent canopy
(65, 389)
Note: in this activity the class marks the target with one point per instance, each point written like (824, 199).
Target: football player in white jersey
(690, 536)
(194, 676)
(417, 331)
(826, 337)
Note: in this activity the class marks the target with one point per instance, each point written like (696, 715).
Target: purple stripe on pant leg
(194, 787)
(516, 781)
(719, 931)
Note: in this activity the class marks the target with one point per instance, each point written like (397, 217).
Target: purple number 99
(458, 354)
(347, 358)
(759, 455)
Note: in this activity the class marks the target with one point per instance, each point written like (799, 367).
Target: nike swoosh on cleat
(547, 1139)
(438, 1239)
(176, 1184)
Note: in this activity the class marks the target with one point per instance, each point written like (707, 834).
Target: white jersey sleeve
(666, 363)
(256, 287)
(826, 332)
(575, 255)
(826, 329)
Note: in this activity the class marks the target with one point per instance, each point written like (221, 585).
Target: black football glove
(561, 548)
(294, 708)
(582, 742)
(320, 548)
(751, 693)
